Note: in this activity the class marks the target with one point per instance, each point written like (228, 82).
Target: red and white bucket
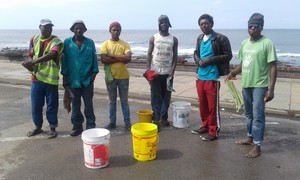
(96, 147)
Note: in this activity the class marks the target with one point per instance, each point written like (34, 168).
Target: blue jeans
(254, 107)
(121, 85)
(39, 92)
(160, 97)
(77, 118)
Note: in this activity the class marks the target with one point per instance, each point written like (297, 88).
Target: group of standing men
(79, 68)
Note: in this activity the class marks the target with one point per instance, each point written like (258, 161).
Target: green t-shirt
(255, 57)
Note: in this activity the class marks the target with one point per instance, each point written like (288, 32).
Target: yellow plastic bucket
(144, 140)
(145, 116)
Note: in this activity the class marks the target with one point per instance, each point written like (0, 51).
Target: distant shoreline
(19, 55)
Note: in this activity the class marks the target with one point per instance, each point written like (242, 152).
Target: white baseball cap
(44, 22)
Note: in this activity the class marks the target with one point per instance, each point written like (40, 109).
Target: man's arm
(175, 55)
(150, 50)
(237, 70)
(95, 68)
(106, 59)
(225, 46)
(47, 57)
(273, 77)
(110, 59)
(64, 68)
(126, 58)
(196, 52)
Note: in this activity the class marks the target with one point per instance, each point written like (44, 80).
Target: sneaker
(199, 131)
(75, 132)
(36, 131)
(89, 128)
(157, 123)
(110, 126)
(52, 134)
(165, 123)
(208, 137)
(128, 127)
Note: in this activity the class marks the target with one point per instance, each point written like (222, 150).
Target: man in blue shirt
(79, 69)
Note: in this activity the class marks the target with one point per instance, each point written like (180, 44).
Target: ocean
(287, 41)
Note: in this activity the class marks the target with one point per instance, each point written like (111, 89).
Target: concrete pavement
(286, 101)
(180, 154)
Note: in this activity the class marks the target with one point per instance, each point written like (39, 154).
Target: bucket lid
(181, 103)
(144, 129)
(145, 111)
(95, 135)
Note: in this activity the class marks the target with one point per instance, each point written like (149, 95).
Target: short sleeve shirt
(255, 57)
(119, 70)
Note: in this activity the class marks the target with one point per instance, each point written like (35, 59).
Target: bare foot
(254, 152)
(245, 142)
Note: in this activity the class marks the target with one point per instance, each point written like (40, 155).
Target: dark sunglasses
(255, 26)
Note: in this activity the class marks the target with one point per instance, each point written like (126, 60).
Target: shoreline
(183, 63)
(21, 54)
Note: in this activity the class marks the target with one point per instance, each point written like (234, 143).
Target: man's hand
(203, 62)
(93, 78)
(230, 76)
(29, 65)
(269, 96)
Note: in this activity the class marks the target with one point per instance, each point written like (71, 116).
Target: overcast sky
(143, 14)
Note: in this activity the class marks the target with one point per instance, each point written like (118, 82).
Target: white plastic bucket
(96, 147)
(181, 113)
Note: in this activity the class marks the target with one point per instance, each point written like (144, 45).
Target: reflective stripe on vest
(47, 72)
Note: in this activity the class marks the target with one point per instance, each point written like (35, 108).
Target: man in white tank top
(162, 58)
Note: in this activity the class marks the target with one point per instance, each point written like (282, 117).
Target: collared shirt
(78, 64)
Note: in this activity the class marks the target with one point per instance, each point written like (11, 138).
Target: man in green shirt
(79, 68)
(259, 72)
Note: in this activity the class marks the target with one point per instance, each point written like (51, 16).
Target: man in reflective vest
(45, 50)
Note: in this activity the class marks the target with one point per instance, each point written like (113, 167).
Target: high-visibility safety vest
(47, 72)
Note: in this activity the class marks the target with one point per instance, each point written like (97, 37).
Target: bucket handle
(106, 143)
(154, 143)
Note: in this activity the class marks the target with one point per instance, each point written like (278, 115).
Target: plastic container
(181, 113)
(144, 140)
(145, 116)
(96, 147)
